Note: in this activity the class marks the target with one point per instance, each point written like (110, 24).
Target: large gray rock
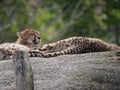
(92, 71)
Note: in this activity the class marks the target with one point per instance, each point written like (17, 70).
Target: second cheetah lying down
(73, 45)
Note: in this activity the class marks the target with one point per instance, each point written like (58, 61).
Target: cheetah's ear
(18, 34)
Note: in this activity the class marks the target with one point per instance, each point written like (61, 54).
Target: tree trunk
(23, 71)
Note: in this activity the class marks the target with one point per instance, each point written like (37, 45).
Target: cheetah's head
(29, 38)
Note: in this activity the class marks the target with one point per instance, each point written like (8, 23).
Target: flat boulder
(90, 71)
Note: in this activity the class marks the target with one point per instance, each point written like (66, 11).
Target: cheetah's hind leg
(71, 50)
(4, 54)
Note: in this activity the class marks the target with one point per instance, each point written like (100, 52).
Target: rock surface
(91, 71)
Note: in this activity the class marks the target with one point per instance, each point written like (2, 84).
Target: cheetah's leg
(5, 53)
(3, 56)
(71, 50)
(54, 47)
(45, 47)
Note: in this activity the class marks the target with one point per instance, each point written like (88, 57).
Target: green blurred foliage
(59, 19)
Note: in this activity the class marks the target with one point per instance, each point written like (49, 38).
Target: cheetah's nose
(35, 42)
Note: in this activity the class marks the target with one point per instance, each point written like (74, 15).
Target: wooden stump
(23, 71)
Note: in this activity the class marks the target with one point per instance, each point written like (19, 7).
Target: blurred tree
(14, 16)
(58, 19)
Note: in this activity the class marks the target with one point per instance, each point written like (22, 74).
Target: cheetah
(27, 39)
(73, 45)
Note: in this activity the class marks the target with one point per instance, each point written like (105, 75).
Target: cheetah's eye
(39, 37)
